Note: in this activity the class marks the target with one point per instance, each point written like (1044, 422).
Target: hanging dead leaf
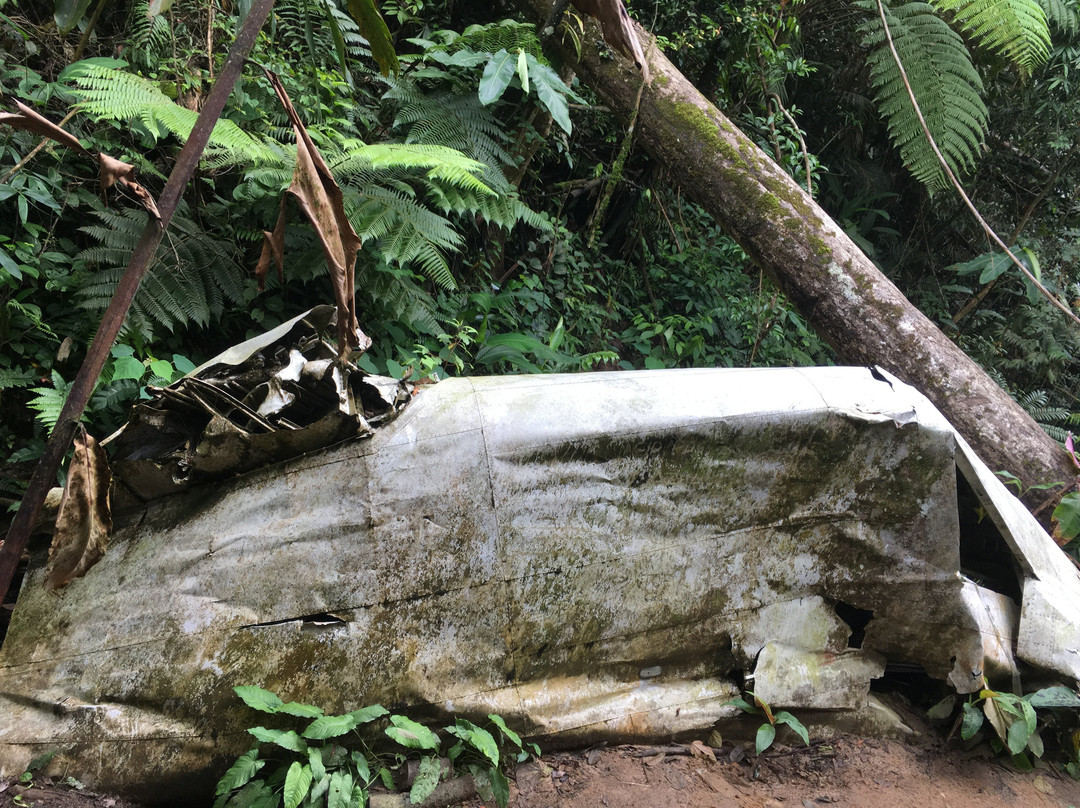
(273, 247)
(320, 198)
(113, 171)
(32, 121)
(84, 521)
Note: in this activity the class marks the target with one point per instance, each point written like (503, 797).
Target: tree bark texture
(840, 291)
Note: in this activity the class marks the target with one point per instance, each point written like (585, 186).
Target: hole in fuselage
(985, 558)
(857, 619)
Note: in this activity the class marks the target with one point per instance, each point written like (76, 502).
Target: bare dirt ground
(845, 771)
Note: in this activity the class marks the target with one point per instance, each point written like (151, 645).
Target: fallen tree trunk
(849, 302)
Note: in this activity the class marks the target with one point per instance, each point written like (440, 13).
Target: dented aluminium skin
(596, 556)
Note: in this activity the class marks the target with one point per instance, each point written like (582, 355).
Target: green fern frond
(1063, 16)
(491, 38)
(403, 231)
(945, 83)
(16, 377)
(451, 119)
(189, 282)
(1016, 30)
(398, 295)
(149, 35)
(437, 163)
(107, 93)
(49, 401)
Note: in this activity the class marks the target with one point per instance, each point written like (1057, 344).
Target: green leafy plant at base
(766, 733)
(1017, 727)
(336, 759)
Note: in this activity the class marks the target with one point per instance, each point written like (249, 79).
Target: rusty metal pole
(44, 474)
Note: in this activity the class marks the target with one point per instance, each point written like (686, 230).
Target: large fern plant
(402, 198)
(932, 40)
(191, 279)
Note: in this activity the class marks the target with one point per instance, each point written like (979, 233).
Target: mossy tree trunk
(849, 302)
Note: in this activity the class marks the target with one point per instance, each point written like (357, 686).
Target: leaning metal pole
(44, 475)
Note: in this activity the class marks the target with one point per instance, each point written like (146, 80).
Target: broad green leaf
(286, 740)
(411, 734)
(766, 734)
(297, 783)
(330, 726)
(500, 788)
(1029, 716)
(182, 364)
(1035, 744)
(497, 720)
(1018, 737)
(784, 717)
(943, 709)
(128, 367)
(973, 721)
(256, 794)
(252, 696)
(551, 90)
(373, 29)
(163, 369)
(67, 13)
(300, 710)
(240, 773)
(318, 767)
(496, 78)
(523, 71)
(427, 777)
(319, 788)
(8, 263)
(339, 41)
(1022, 762)
(1055, 696)
(1066, 528)
(362, 769)
(477, 737)
(341, 789)
(366, 714)
(998, 264)
(743, 705)
(387, 778)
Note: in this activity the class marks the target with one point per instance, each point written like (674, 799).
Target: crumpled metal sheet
(593, 556)
(268, 399)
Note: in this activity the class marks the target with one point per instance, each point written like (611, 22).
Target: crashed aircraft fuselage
(597, 556)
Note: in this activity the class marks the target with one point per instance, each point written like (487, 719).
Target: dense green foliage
(335, 759)
(474, 178)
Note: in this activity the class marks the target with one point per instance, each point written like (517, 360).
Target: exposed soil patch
(846, 771)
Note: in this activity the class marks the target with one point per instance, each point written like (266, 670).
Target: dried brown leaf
(273, 247)
(320, 198)
(113, 171)
(700, 750)
(32, 121)
(84, 521)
